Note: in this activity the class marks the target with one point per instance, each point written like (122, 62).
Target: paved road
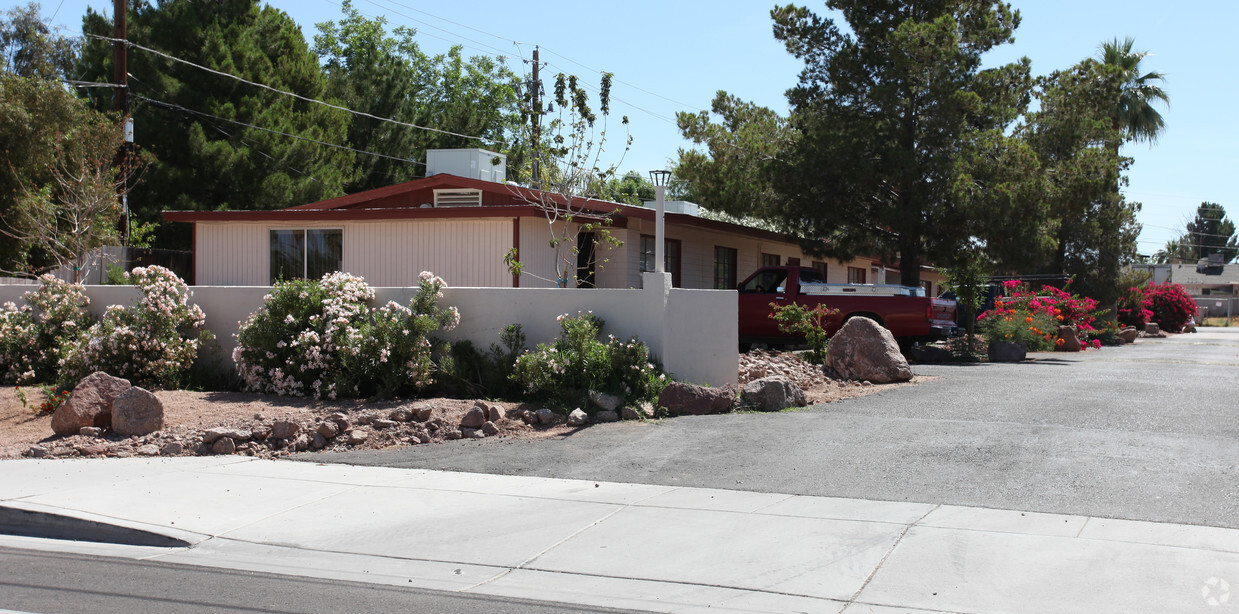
(1143, 432)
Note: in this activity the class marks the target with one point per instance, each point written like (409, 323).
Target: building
(461, 225)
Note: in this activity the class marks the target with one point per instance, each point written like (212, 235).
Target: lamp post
(659, 179)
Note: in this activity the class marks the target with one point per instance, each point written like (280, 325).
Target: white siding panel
(465, 253)
(537, 256)
(231, 254)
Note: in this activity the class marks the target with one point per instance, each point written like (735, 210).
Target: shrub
(319, 338)
(794, 319)
(1033, 318)
(152, 344)
(1133, 307)
(1171, 305)
(577, 362)
(473, 373)
(32, 336)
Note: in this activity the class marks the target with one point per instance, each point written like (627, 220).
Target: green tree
(387, 75)
(1133, 112)
(632, 189)
(883, 114)
(1175, 251)
(207, 163)
(732, 176)
(29, 47)
(1211, 232)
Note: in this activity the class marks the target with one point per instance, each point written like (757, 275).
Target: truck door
(756, 293)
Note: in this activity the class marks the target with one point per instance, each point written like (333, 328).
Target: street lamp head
(659, 178)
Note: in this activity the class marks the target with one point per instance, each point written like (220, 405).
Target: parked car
(905, 311)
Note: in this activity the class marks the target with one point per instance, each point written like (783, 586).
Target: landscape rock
(212, 434)
(36, 452)
(604, 401)
(93, 450)
(473, 418)
(546, 416)
(400, 414)
(451, 434)
(224, 445)
(606, 416)
(529, 417)
(90, 431)
(358, 436)
(687, 399)
(495, 412)
(382, 423)
(285, 429)
(473, 433)
(1128, 335)
(490, 429)
(629, 413)
(577, 417)
(424, 413)
(327, 429)
(172, 448)
(772, 394)
(136, 412)
(90, 404)
(302, 442)
(930, 353)
(864, 350)
(318, 442)
(1067, 339)
(149, 449)
(1152, 329)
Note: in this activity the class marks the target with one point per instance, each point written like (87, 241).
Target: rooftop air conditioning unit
(469, 163)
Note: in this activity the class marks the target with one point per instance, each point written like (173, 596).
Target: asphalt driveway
(1148, 431)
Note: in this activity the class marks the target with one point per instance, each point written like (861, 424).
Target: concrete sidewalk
(652, 548)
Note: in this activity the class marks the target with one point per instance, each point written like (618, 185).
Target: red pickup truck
(906, 312)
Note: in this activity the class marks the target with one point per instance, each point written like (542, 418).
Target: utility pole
(120, 75)
(535, 92)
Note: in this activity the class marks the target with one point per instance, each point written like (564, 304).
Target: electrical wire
(297, 96)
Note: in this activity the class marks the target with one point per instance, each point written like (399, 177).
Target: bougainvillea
(1033, 318)
(1171, 305)
(320, 338)
(1134, 309)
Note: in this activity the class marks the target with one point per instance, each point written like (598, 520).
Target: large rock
(475, 417)
(1067, 339)
(136, 412)
(1128, 335)
(686, 399)
(1152, 329)
(577, 417)
(90, 404)
(863, 350)
(604, 401)
(772, 394)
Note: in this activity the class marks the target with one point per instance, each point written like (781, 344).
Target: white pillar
(660, 193)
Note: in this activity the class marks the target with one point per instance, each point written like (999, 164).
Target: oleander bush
(321, 339)
(32, 336)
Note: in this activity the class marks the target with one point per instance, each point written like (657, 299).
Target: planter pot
(1006, 351)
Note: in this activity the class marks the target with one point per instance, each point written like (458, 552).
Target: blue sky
(673, 56)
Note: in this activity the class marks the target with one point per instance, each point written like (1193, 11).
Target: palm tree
(1133, 115)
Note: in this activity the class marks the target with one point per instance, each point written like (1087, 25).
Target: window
(724, 268)
(928, 286)
(856, 275)
(586, 243)
(793, 262)
(770, 260)
(766, 282)
(305, 254)
(820, 267)
(671, 257)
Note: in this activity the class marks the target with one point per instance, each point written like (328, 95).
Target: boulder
(546, 416)
(489, 429)
(327, 429)
(358, 436)
(284, 429)
(213, 434)
(1152, 329)
(90, 404)
(772, 394)
(474, 418)
(604, 401)
(687, 399)
(224, 445)
(172, 448)
(606, 416)
(1067, 339)
(400, 414)
(136, 412)
(863, 350)
(494, 413)
(1128, 335)
(1006, 351)
(577, 417)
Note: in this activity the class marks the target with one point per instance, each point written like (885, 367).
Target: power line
(297, 96)
(177, 107)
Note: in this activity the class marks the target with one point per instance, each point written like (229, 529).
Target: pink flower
(1097, 343)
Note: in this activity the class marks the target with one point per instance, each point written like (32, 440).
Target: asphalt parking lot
(1144, 432)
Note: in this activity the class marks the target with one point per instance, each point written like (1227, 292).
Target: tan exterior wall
(386, 253)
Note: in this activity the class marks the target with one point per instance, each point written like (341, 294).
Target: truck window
(811, 276)
(765, 282)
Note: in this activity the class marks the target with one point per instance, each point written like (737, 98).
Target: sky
(671, 56)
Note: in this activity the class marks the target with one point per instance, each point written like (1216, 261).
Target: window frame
(727, 279)
(855, 272)
(305, 249)
(671, 257)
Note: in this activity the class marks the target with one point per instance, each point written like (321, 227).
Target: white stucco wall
(693, 331)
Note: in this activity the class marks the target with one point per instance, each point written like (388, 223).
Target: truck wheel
(744, 347)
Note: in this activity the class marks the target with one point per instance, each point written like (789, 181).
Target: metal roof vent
(458, 198)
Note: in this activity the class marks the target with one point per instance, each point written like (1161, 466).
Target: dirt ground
(187, 414)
